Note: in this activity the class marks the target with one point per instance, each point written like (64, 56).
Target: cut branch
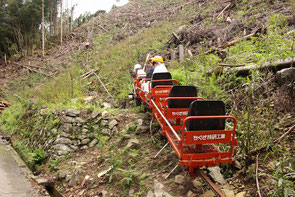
(232, 43)
(87, 74)
(285, 134)
(257, 182)
(35, 71)
(176, 36)
(223, 10)
(103, 85)
(275, 141)
(101, 27)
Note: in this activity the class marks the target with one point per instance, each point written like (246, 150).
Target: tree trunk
(68, 16)
(5, 60)
(55, 32)
(43, 34)
(72, 12)
(61, 23)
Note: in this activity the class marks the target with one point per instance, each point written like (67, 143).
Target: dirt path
(12, 178)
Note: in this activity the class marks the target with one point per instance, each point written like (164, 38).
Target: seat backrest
(149, 75)
(161, 76)
(206, 108)
(182, 91)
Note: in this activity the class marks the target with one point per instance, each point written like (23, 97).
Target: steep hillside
(72, 123)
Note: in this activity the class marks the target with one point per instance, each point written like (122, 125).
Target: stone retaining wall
(78, 130)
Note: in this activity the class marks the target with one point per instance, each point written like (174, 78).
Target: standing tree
(61, 30)
(71, 20)
(43, 33)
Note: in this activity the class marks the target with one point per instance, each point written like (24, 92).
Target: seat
(206, 108)
(182, 91)
(161, 76)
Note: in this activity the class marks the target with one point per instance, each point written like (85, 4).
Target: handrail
(167, 122)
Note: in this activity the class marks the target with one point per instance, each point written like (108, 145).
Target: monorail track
(192, 125)
(210, 184)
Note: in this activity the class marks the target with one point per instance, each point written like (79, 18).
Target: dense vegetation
(20, 25)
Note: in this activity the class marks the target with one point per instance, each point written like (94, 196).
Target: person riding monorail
(159, 68)
(150, 67)
(159, 65)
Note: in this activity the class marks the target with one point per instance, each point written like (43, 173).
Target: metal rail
(206, 179)
(167, 122)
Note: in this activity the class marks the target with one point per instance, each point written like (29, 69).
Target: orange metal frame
(193, 148)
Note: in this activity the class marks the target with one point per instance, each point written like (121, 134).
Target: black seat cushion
(182, 91)
(161, 76)
(206, 108)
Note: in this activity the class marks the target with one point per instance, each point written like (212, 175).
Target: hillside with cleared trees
(68, 116)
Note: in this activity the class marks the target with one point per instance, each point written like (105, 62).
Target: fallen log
(32, 66)
(35, 71)
(230, 65)
(274, 65)
(244, 70)
(5, 103)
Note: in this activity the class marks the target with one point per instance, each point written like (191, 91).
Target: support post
(161, 150)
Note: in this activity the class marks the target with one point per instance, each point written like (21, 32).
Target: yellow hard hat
(158, 59)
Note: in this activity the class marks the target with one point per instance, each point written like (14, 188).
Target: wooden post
(190, 53)
(173, 55)
(219, 42)
(5, 60)
(181, 52)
